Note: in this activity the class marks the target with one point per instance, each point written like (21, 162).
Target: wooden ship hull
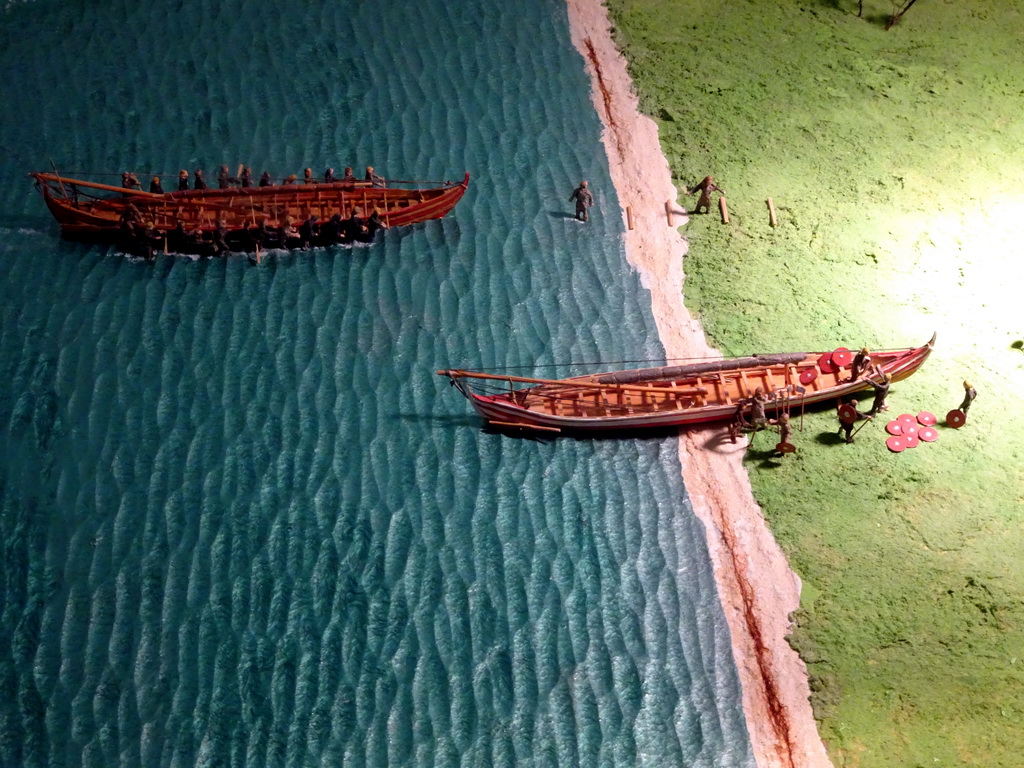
(672, 396)
(95, 212)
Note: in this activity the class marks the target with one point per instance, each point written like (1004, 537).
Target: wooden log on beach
(724, 209)
(772, 218)
(629, 218)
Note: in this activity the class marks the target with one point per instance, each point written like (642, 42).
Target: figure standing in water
(705, 187)
(584, 200)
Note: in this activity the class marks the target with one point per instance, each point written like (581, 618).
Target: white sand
(757, 588)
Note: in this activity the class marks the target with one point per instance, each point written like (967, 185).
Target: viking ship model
(98, 212)
(719, 390)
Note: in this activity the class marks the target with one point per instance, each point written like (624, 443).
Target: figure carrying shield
(785, 432)
(969, 394)
(848, 416)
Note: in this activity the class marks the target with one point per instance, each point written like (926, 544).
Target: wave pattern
(242, 521)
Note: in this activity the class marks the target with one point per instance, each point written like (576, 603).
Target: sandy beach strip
(757, 588)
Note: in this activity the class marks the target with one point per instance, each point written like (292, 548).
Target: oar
(866, 420)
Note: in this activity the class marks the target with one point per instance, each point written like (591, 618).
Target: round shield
(910, 430)
(926, 419)
(895, 444)
(808, 375)
(785, 448)
(841, 357)
(847, 413)
(956, 418)
(928, 434)
(910, 441)
(825, 363)
(894, 427)
(906, 418)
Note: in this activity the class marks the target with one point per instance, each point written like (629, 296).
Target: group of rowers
(143, 238)
(244, 179)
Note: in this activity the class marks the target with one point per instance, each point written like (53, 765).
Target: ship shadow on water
(446, 421)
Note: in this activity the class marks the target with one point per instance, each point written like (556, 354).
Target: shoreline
(757, 589)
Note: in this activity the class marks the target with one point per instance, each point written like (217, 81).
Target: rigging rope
(648, 362)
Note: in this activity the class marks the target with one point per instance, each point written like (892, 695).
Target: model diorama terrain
(892, 159)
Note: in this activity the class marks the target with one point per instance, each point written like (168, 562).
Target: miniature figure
(848, 416)
(881, 392)
(706, 187)
(861, 364)
(584, 200)
(969, 394)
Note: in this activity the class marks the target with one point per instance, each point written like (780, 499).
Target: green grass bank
(895, 160)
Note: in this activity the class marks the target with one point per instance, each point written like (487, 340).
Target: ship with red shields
(696, 393)
(241, 218)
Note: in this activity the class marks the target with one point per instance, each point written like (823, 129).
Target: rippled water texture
(242, 520)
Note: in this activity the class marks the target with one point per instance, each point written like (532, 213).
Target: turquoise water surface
(243, 521)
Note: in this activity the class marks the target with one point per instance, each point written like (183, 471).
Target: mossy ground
(895, 160)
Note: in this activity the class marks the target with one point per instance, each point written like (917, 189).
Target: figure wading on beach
(584, 200)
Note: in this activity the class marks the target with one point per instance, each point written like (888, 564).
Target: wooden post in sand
(772, 218)
(668, 211)
(724, 209)
(629, 218)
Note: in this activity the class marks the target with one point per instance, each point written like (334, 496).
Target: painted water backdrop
(242, 520)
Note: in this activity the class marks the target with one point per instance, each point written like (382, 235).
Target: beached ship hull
(91, 211)
(673, 396)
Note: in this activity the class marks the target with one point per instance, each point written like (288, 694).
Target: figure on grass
(881, 392)
(785, 432)
(958, 416)
(969, 394)
(848, 417)
(705, 187)
(756, 421)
